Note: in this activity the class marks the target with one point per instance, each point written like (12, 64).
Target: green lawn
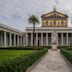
(12, 54)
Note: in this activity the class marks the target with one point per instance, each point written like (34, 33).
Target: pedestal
(54, 47)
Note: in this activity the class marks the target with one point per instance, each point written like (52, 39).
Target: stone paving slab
(52, 62)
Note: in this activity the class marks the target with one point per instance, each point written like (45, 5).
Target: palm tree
(33, 20)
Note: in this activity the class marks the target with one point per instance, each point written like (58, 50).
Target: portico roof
(5, 27)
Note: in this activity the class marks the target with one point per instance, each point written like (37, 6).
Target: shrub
(21, 63)
(67, 54)
(25, 48)
(66, 47)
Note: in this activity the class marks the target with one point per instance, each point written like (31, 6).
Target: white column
(1, 40)
(57, 39)
(21, 40)
(51, 39)
(26, 39)
(31, 39)
(46, 39)
(10, 40)
(62, 38)
(41, 39)
(14, 40)
(5, 45)
(36, 39)
(71, 39)
(67, 39)
(17, 40)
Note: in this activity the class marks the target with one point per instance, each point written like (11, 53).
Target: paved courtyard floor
(53, 62)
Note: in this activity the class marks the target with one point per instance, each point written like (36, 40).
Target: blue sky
(15, 13)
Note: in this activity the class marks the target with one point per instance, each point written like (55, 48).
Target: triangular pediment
(54, 14)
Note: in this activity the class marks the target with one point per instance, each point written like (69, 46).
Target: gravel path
(52, 62)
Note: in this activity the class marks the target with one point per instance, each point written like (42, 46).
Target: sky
(15, 13)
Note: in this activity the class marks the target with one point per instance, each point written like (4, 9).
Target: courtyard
(46, 47)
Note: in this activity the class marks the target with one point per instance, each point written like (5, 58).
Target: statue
(54, 41)
(54, 38)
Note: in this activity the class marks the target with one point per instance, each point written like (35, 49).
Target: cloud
(16, 12)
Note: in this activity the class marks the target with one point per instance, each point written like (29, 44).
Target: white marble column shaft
(21, 40)
(36, 39)
(10, 40)
(31, 39)
(41, 39)
(46, 39)
(5, 43)
(62, 38)
(26, 39)
(14, 40)
(2, 40)
(17, 40)
(67, 39)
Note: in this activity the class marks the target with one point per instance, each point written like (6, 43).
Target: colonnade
(65, 39)
(45, 39)
(8, 39)
(39, 39)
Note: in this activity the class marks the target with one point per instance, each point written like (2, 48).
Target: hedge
(66, 47)
(67, 54)
(25, 48)
(21, 64)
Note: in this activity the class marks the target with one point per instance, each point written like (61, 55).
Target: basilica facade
(51, 23)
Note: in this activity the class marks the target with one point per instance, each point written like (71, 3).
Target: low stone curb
(34, 64)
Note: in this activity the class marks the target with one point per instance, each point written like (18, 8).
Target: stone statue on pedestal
(54, 41)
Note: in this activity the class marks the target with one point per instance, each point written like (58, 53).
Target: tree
(33, 20)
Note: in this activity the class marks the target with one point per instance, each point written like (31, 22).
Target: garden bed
(64, 47)
(67, 53)
(21, 63)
